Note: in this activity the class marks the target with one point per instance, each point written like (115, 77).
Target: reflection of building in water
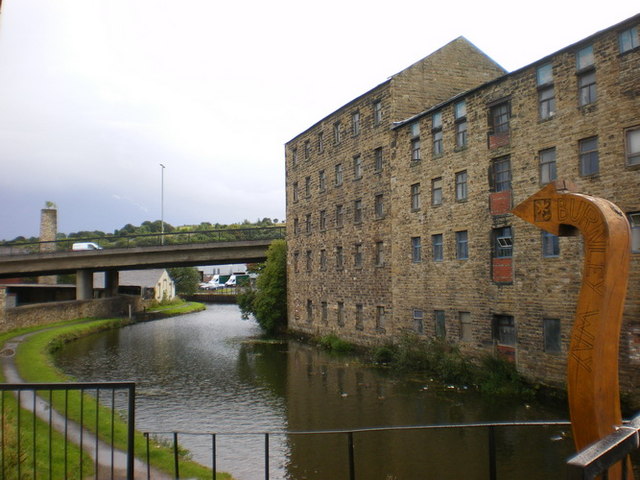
(398, 203)
(325, 392)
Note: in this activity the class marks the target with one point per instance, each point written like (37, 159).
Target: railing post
(213, 456)
(131, 430)
(266, 456)
(352, 463)
(492, 453)
(176, 463)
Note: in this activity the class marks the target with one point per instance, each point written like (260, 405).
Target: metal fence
(147, 240)
(41, 433)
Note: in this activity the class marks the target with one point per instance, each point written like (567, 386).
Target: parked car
(85, 246)
(211, 286)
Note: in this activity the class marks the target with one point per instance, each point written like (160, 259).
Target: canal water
(208, 372)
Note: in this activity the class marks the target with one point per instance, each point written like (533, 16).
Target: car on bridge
(83, 246)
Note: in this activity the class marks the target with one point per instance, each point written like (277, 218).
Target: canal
(208, 372)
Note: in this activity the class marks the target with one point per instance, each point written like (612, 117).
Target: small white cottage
(153, 284)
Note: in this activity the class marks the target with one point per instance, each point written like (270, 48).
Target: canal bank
(26, 358)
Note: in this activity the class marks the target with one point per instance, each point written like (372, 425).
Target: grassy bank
(34, 363)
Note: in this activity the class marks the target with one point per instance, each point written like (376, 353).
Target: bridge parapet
(147, 240)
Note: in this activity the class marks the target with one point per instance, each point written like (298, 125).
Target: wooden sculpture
(592, 364)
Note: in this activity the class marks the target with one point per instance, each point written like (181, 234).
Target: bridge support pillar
(111, 280)
(84, 285)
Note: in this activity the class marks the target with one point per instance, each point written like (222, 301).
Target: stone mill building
(398, 203)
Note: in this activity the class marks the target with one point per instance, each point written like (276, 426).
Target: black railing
(147, 240)
(492, 457)
(598, 458)
(39, 440)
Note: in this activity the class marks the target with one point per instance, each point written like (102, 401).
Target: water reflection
(204, 372)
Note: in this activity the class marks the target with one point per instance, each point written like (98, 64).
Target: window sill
(460, 148)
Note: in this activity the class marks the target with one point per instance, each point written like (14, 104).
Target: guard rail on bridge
(147, 240)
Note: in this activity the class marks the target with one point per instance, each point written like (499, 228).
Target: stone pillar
(111, 278)
(48, 232)
(84, 285)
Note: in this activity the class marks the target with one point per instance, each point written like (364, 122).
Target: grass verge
(34, 363)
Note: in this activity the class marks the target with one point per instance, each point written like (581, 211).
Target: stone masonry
(425, 242)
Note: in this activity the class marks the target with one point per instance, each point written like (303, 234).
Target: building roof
(137, 278)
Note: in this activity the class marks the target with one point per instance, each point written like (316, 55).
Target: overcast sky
(96, 94)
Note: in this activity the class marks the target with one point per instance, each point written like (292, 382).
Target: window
(589, 162)
(380, 320)
(324, 312)
(377, 159)
(634, 221)
(584, 58)
(462, 245)
(436, 191)
(357, 211)
(295, 191)
(379, 206)
(377, 113)
(308, 259)
(355, 123)
(379, 257)
(587, 88)
(436, 132)
(632, 138)
(499, 118)
(359, 316)
(546, 102)
(323, 259)
(307, 150)
(337, 133)
(307, 187)
(544, 75)
(296, 257)
(437, 247)
(338, 174)
(323, 220)
(294, 156)
(296, 226)
(416, 249)
(552, 338)
(309, 311)
(502, 242)
(466, 329)
(415, 196)
(504, 330)
(550, 244)
(461, 186)
(415, 129)
(340, 314)
(501, 174)
(357, 167)
(438, 320)
(357, 255)
(415, 149)
(322, 180)
(321, 142)
(460, 114)
(339, 258)
(307, 223)
(628, 39)
(418, 321)
(339, 216)
(547, 166)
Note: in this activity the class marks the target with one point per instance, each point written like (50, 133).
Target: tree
(186, 279)
(268, 301)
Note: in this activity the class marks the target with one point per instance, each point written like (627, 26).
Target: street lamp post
(162, 205)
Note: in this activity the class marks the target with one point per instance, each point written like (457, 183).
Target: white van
(85, 246)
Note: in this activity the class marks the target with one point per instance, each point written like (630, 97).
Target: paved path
(95, 448)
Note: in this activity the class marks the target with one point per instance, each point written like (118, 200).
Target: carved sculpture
(592, 364)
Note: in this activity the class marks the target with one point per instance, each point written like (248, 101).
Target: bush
(334, 343)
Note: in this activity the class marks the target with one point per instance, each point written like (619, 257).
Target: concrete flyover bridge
(157, 251)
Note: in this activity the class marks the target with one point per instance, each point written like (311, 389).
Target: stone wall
(47, 313)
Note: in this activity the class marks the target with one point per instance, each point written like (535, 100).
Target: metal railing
(492, 457)
(598, 458)
(39, 440)
(147, 240)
